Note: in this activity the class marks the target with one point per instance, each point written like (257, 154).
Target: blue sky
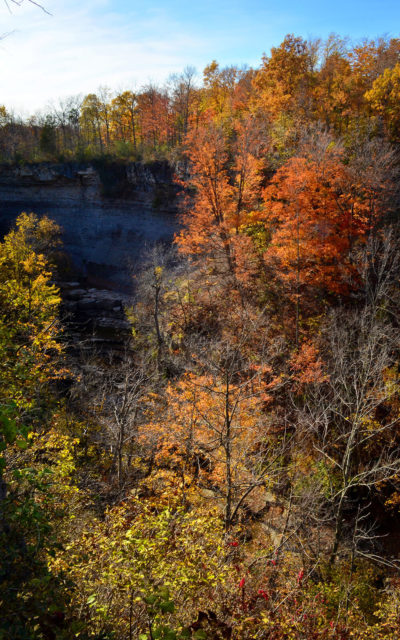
(126, 43)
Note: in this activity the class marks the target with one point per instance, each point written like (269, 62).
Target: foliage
(334, 83)
(40, 494)
(28, 324)
(236, 472)
(142, 561)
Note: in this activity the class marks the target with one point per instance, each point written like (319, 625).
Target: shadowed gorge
(108, 213)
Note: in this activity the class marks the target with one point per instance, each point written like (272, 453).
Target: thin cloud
(87, 43)
(75, 51)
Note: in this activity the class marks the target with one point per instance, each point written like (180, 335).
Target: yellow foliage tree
(384, 98)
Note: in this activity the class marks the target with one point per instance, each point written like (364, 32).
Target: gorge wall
(109, 212)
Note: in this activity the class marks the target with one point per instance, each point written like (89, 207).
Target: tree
(146, 567)
(218, 92)
(384, 100)
(226, 181)
(182, 96)
(284, 80)
(211, 430)
(124, 114)
(154, 117)
(21, 2)
(91, 121)
(66, 116)
(359, 451)
(349, 415)
(29, 305)
(104, 96)
(48, 141)
(372, 181)
(28, 330)
(314, 223)
(333, 87)
(151, 311)
(115, 394)
(30, 363)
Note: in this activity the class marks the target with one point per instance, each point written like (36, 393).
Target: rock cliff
(108, 211)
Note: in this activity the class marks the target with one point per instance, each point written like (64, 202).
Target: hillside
(229, 468)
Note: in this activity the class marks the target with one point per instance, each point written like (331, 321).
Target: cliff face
(108, 212)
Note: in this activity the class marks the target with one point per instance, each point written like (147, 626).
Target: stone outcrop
(94, 316)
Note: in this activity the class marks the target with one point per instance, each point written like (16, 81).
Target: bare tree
(112, 394)
(182, 91)
(155, 284)
(356, 449)
(378, 268)
(19, 3)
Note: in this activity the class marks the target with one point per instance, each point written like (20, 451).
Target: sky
(125, 44)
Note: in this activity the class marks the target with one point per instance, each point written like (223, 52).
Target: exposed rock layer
(94, 318)
(109, 212)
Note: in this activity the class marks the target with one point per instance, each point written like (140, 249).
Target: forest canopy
(345, 87)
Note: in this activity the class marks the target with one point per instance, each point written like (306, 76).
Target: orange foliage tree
(154, 117)
(210, 426)
(226, 180)
(212, 434)
(284, 79)
(314, 224)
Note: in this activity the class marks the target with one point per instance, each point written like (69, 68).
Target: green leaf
(164, 633)
(167, 606)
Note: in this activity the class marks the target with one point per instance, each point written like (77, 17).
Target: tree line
(340, 85)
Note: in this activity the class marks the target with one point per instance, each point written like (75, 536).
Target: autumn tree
(124, 113)
(104, 97)
(372, 180)
(314, 224)
(211, 428)
(28, 327)
(146, 567)
(219, 90)
(369, 59)
(29, 309)
(226, 180)
(30, 363)
(91, 121)
(333, 84)
(28, 330)
(283, 82)
(154, 117)
(384, 100)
